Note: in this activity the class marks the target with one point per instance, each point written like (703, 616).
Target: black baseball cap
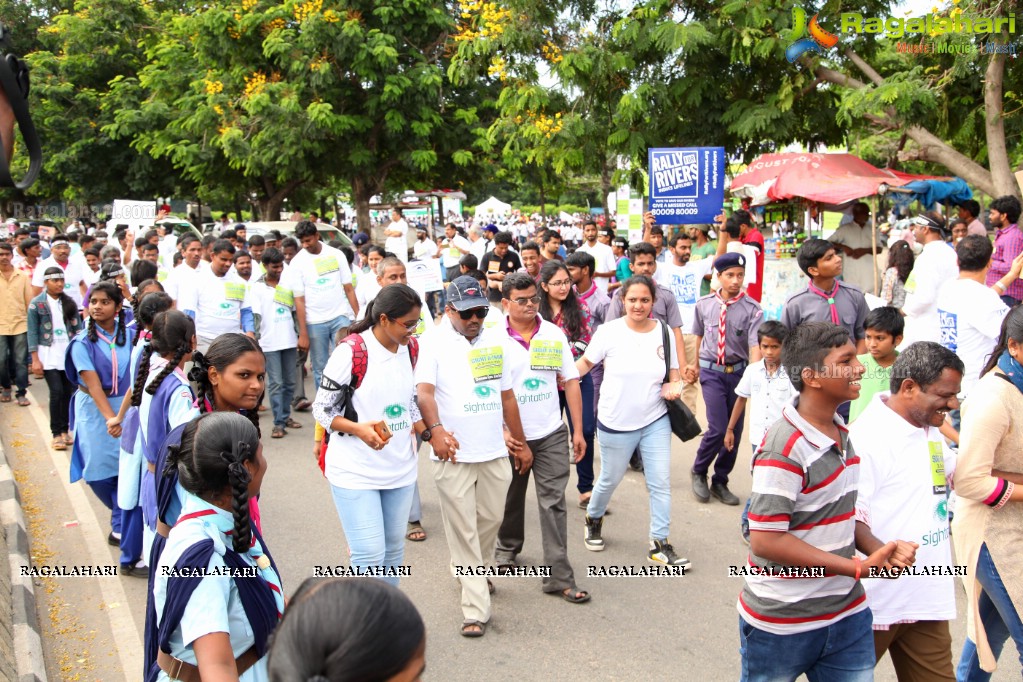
(464, 293)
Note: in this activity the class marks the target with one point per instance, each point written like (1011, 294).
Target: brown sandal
(58, 443)
(292, 424)
(278, 432)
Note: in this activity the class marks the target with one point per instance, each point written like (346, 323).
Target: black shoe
(135, 571)
(661, 552)
(636, 463)
(700, 489)
(591, 537)
(721, 492)
(113, 540)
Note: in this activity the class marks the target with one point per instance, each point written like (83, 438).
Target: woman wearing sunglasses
(371, 459)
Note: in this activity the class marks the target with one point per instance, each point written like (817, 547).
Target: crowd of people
(881, 432)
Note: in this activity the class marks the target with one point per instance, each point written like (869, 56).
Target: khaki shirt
(15, 295)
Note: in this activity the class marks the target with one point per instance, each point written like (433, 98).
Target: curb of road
(28, 645)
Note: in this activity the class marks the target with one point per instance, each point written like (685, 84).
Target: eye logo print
(281, 311)
(225, 306)
(533, 384)
(323, 280)
(818, 41)
(941, 510)
(394, 411)
(484, 391)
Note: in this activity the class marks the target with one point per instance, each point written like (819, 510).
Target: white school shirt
(217, 303)
(684, 282)
(902, 496)
(398, 245)
(386, 394)
(276, 325)
(970, 317)
(766, 395)
(468, 402)
(450, 253)
(630, 397)
(320, 280)
(936, 265)
(52, 356)
(605, 262)
(534, 373)
(74, 274)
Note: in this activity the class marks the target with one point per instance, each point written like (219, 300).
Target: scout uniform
(844, 305)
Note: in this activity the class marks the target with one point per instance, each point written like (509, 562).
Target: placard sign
(687, 184)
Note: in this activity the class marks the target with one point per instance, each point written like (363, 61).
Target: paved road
(634, 628)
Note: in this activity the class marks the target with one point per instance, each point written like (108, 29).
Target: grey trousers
(551, 466)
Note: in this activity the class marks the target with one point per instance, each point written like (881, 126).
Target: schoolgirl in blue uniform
(98, 362)
(220, 467)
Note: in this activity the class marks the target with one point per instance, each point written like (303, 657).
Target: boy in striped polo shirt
(802, 608)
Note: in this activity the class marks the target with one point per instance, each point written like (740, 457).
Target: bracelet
(433, 426)
(859, 568)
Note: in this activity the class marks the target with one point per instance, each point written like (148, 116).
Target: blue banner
(687, 184)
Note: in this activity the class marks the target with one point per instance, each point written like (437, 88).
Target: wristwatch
(427, 433)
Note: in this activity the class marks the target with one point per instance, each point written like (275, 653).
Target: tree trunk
(605, 189)
(273, 197)
(543, 203)
(997, 153)
(362, 194)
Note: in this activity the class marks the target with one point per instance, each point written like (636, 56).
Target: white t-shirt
(385, 394)
(422, 250)
(936, 265)
(468, 380)
(684, 282)
(91, 277)
(605, 259)
(398, 245)
(276, 325)
(365, 292)
(52, 356)
(766, 395)
(480, 247)
(534, 373)
(630, 397)
(320, 280)
(217, 303)
(970, 316)
(183, 277)
(74, 274)
(902, 496)
(450, 254)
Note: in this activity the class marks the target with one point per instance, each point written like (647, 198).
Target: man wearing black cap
(725, 327)
(935, 265)
(466, 399)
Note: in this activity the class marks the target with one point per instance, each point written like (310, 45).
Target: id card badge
(545, 355)
(234, 291)
(326, 265)
(284, 296)
(939, 485)
(486, 363)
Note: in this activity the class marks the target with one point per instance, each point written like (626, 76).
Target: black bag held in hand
(683, 421)
(14, 81)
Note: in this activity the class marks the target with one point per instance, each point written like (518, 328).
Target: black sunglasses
(474, 312)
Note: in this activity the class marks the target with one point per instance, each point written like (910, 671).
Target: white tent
(493, 207)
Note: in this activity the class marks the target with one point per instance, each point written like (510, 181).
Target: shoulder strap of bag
(413, 351)
(360, 358)
(667, 349)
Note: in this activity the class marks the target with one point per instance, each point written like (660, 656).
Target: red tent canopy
(825, 178)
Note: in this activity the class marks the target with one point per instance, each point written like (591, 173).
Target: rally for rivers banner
(687, 184)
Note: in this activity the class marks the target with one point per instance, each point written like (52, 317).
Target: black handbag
(683, 421)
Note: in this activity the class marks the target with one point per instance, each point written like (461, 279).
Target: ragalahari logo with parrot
(819, 40)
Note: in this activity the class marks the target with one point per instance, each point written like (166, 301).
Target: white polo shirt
(74, 274)
(320, 280)
(468, 380)
(274, 306)
(534, 373)
(902, 496)
(605, 262)
(217, 303)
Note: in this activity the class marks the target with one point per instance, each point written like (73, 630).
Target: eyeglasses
(474, 312)
(560, 283)
(526, 301)
(409, 326)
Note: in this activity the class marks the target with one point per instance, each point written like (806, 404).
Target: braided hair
(68, 307)
(146, 311)
(136, 301)
(113, 292)
(173, 332)
(211, 459)
(223, 352)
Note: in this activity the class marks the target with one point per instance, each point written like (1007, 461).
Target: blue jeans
(1000, 618)
(374, 525)
(584, 467)
(841, 652)
(14, 353)
(280, 378)
(322, 339)
(615, 451)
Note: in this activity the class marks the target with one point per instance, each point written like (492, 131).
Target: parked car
(176, 227)
(287, 228)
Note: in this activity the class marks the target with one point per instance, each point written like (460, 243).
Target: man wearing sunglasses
(466, 398)
(537, 353)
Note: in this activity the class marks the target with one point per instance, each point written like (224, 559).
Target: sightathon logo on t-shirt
(489, 400)
(394, 415)
(534, 391)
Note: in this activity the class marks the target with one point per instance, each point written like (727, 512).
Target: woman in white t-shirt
(631, 412)
(52, 320)
(371, 459)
